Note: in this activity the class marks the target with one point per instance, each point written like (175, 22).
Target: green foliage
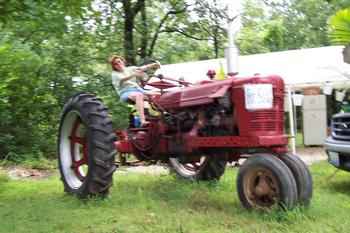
(31, 161)
(39, 64)
(40, 163)
(339, 26)
(250, 38)
(273, 38)
(282, 25)
(19, 93)
(196, 50)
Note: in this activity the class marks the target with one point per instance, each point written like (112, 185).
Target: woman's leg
(139, 104)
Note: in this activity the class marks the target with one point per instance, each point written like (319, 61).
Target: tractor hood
(207, 91)
(200, 94)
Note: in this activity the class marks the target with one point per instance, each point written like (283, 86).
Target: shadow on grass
(329, 178)
(340, 186)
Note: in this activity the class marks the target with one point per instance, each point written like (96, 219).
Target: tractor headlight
(258, 96)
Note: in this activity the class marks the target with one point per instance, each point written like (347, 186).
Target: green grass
(3, 177)
(145, 203)
(40, 164)
(299, 140)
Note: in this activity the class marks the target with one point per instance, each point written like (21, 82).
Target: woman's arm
(139, 72)
(136, 73)
(155, 65)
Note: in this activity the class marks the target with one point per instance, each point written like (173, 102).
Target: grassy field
(146, 203)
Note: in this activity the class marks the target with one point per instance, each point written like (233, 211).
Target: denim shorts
(124, 93)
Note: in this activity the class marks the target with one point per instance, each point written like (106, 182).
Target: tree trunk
(129, 51)
(129, 16)
(144, 36)
(130, 12)
(216, 42)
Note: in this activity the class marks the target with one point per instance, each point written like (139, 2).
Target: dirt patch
(150, 169)
(309, 155)
(312, 155)
(20, 173)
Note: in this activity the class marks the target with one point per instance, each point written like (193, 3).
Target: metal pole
(291, 119)
(295, 117)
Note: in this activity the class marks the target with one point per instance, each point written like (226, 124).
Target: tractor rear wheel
(302, 177)
(206, 168)
(85, 147)
(265, 182)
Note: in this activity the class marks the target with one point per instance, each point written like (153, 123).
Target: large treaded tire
(279, 176)
(302, 177)
(211, 169)
(99, 138)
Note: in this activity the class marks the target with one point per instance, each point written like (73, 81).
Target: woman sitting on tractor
(126, 81)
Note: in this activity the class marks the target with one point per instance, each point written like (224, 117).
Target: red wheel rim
(189, 168)
(79, 157)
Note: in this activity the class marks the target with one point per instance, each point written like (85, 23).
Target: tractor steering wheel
(148, 72)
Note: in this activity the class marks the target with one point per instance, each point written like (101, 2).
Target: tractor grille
(260, 122)
(341, 127)
(267, 121)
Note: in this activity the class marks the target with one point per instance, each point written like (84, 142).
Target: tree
(339, 26)
(141, 32)
(250, 38)
(38, 61)
(287, 24)
(130, 11)
(205, 21)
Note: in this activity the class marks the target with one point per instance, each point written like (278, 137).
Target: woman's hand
(141, 77)
(153, 66)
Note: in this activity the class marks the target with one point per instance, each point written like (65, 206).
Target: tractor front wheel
(302, 177)
(85, 147)
(264, 182)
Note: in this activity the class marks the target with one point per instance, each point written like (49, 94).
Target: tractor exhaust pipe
(234, 23)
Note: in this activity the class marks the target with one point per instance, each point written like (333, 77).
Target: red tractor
(198, 130)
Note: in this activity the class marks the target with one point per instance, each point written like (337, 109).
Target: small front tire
(264, 182)
(302, 177)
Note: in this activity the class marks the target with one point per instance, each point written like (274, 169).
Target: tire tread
(101, 167)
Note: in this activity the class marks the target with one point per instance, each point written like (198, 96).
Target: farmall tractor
(198, 130)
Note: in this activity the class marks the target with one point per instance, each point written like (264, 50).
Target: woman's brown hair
(114, 57)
